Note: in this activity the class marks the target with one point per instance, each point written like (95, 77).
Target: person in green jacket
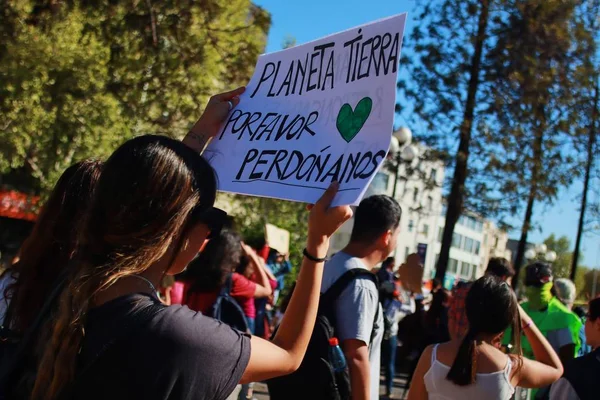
(557, 323)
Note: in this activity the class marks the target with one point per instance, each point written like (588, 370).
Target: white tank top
(495, 385)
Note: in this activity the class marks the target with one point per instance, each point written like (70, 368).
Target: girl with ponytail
(474, 367)
(152, 210)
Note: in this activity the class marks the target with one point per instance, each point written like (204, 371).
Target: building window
(468, 245)
(415, 195)
(440, 234)
(426, 230)
(476, 247)
(433, 175)
(452, 265)
(411, 225)
(473, 272)
(379, 185)
(406, 253)
(478, 226)
(465, 270)
(429, 203)
(456, 240)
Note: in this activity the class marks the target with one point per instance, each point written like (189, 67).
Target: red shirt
(177, 292)
(458, 324)
(242, 290)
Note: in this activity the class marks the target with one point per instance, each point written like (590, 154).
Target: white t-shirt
(355, 311)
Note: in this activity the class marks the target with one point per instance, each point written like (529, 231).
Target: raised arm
(210, 122)
(546, 368)
(285, 353)
(263, 287)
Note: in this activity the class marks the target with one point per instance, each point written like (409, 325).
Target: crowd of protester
(133, 285)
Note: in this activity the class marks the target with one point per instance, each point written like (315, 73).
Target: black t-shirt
(178, 354)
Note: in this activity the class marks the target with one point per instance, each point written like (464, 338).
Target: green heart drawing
(350, 122)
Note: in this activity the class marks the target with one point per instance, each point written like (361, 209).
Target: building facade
(418, 190)
(419, 194)
(474, 241)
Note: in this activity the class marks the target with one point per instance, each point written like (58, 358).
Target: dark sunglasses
(215, 219)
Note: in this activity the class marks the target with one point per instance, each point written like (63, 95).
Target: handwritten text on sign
(313, 114)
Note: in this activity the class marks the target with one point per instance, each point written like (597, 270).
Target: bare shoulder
(426, 354)
(492, 359)
(446, 352)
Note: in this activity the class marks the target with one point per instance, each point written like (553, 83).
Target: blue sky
(306, 20)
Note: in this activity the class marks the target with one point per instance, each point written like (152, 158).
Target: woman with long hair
(436, 318)
(225, 256)
(474, 367)
(49, 248)
(148, 218)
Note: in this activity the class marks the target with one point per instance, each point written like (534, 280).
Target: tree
(591, 147)
(444, 71)
(591, 283)
(78, 77)
(590, 108)
(539, 66)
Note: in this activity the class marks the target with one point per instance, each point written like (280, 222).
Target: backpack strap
(328, 298)
(331, 295)
(32, 331)
(8, 274)
(226, 289)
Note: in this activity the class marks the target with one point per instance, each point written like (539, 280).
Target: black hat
(537, 274)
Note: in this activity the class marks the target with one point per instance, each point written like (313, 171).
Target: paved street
(261, 393)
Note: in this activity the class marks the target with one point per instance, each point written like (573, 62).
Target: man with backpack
(357, 313)
(349, 313)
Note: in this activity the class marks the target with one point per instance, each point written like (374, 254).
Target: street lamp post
(401, 150)
(541, 251)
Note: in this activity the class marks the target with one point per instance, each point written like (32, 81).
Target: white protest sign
(312, 114)
(277, 238)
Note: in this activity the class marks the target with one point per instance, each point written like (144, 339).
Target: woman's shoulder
(189, 328)
(176, 326)
(240, 283)
(196, 350)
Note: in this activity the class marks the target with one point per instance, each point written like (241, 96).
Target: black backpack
(227, 310)
(315, 379)
(16, 347)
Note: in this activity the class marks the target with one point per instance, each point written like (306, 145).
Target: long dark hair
(220, 257)
(151, 192)
(491, 307)
(438, 304)
(51, 244)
